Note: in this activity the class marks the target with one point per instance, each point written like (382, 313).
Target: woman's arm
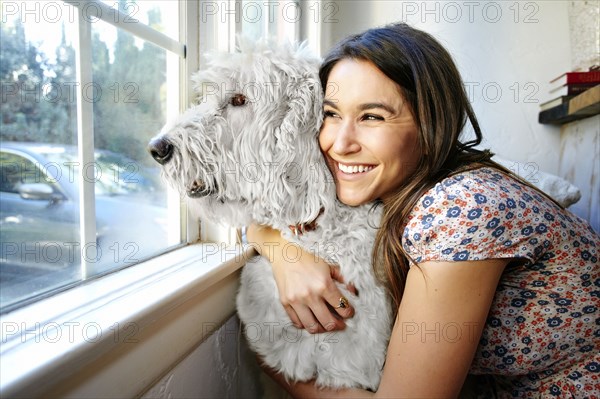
(306, 285)
(443, 311)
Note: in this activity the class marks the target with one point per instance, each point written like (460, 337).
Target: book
(555, 101)
(587, 103)
(581, 106)
(555, 115)
(567, 78)
(571, 89)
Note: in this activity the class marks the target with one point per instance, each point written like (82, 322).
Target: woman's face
(369, 136)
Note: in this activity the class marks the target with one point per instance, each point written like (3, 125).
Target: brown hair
(433, 88)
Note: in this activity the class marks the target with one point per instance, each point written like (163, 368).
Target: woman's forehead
(352, 80)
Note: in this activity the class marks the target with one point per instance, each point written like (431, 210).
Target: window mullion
(85, 147)
(93, 9)
(189, 33)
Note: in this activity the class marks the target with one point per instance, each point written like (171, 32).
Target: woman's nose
(346, 140)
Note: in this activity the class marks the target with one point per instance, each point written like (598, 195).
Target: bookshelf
(581, 106)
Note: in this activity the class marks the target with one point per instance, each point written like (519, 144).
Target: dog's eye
(238, 100)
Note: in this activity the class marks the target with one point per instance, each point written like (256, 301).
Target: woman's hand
(307, 284)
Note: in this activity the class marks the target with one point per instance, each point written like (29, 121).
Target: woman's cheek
(323, 138)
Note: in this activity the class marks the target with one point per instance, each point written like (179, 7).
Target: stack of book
(566, 88)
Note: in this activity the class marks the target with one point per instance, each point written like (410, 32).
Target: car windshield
(112, 173)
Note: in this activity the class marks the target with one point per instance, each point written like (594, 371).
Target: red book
(568, 78)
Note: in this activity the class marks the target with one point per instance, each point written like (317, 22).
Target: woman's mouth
(352, 169)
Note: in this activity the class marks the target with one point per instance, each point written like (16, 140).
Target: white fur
(261, 163)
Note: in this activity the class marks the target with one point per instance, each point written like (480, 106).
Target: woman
(489, 276)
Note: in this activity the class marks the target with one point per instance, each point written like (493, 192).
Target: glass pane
(255, 18)
(161, 15)
(279, 19)
(40, 248)
(39, 206)
(131, 102)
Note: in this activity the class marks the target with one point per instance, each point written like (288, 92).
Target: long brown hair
(434, 90)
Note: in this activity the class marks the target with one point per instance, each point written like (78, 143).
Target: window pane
(39, 206)
(161, 15)
(40, 248)
(132, 219)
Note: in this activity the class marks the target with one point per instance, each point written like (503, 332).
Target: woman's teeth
(354, 168)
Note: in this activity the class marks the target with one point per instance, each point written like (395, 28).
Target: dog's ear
(306, 176)
(305, 106)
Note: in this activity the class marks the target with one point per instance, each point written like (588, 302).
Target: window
(84, 86)
(49, 344)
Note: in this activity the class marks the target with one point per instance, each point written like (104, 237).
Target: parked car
(39, 212)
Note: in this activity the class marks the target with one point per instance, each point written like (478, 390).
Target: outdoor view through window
(40, 170)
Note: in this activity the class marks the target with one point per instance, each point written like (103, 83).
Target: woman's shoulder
(487, 181)
(484, 187)
(478, 214)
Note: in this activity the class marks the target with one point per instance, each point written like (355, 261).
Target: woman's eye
(372, 117)
(329, 114)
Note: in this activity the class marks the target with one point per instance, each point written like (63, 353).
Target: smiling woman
(368, 135)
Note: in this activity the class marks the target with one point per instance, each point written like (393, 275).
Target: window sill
(87, 341)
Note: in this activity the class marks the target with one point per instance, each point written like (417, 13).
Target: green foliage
(38, 97)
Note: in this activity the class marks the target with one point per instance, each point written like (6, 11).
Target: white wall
(221, 367)
(580, 140)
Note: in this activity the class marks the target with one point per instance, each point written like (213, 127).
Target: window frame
(180, 297)
(33, 362)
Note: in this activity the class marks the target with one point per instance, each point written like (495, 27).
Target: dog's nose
(161, 150)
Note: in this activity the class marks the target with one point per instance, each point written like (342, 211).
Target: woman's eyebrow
(385, 107)
(362, 107)
(330, 103)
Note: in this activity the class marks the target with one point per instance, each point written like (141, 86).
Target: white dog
(248, 152)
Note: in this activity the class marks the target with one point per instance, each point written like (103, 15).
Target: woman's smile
(368, 136)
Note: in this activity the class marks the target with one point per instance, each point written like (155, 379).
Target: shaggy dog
(248, 152)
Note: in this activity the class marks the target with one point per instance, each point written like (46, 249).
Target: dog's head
(248, 149)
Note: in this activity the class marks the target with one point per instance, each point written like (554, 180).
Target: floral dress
(542, 335)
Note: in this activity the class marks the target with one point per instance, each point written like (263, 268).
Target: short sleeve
(477, 215)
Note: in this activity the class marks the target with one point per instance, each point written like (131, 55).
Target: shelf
(582, 106)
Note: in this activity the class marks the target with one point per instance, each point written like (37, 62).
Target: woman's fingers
(336, 299)
(308, 319)
(293, 316)
(328, 320)
(316, 318)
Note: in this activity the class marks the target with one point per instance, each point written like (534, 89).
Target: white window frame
(46, 344)
(85, 342)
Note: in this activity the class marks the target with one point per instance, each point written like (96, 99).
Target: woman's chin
(352, 198)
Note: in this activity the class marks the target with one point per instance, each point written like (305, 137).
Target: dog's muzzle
(198, 189)
(161, 150)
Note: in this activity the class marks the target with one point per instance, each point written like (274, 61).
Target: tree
(23, 70)
(37, 102)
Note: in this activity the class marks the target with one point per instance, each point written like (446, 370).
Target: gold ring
(343, 303)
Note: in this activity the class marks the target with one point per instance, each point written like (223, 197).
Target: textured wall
(584, 23)
(221, 367)
(580, 140)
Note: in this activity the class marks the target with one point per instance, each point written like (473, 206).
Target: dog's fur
(260, 162)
